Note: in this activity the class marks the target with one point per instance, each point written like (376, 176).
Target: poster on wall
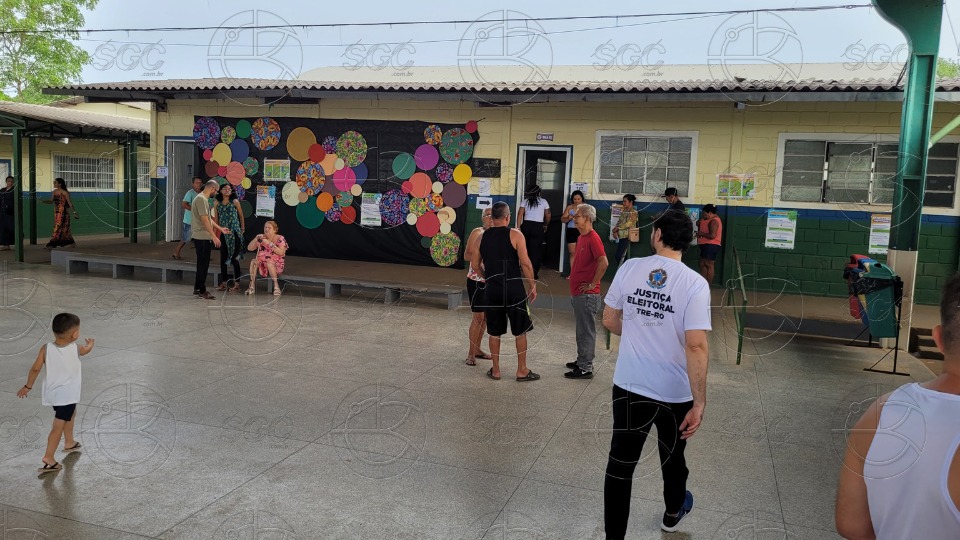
(879, 234)
(736, 186)
(581, 187)
(781, 229)
(266, 201)
(694, 215)
(370, 210)
(276, 170)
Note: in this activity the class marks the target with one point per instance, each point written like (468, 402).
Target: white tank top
(61, 383)
(907, 463)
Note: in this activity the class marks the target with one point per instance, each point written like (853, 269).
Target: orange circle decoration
(221, 154)
(428, 225)
(356, 190)
(299, 142)
(349, 215)
(329, 163)
(302, 197)
(420, 185)
(324, 201)
(462, 173)
(316, 152)
(235, 173)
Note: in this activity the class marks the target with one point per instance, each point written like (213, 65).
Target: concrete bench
(77, 263)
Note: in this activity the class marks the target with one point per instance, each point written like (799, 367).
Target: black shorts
(572, 235)
(518, 315)
(64, 412)
(475, 293)
(709, 251)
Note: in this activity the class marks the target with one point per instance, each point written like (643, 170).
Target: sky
(857, 37)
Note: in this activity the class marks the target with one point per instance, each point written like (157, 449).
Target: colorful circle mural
(265, 133)
(206, 132)
(310, 177)
(352, 148)
(456, 146)
(445, 248)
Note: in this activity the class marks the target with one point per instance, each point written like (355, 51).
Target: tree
(947, 69)
(36, 50)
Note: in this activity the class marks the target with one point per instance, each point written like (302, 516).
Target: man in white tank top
(901, 472)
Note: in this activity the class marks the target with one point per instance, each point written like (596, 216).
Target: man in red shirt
(589, 264)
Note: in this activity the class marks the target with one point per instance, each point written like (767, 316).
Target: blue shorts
(709, 251)
(185, 232)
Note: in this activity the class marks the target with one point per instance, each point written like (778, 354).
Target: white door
(549, 167)
(180, 173)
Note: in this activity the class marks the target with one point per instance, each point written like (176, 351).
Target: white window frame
(874, 138)
(143, 180)
(72, 186)
(694, 136)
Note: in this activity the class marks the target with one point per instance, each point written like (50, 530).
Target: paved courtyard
(306, 417)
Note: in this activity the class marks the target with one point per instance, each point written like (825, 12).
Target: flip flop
(177, 258)
(484, 356)
(50, 468)
(530, 376)
(470, 362)
(73, 448)
(490, 374)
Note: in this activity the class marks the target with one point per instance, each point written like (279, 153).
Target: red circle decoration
(421, 185)
(348, 215)
(406, 187)
(207, 154)
(316, 153)
(428, 225)
(212, 169)
(235, 173)
(222, 170)
(471, 126)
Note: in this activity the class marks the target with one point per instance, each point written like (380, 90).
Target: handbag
(634, 234)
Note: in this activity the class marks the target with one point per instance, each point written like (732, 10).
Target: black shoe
(571, 365)
(670, 523)
(578, 374)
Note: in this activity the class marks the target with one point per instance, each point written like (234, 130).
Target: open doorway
(549, 167)
(180, 172)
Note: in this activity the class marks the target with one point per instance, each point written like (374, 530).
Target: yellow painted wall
(46, 150)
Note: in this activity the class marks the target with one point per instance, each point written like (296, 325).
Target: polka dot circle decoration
(221, 154)
(445, 248)
(246, 208)
(239, 150)
(462, 174)
(428, 225)
(348, 215)
(426, 157)
(265, 133)
(404, 166)
(243, 129)
(360, 171)
(471, 126)
(251, 166)
(235, 173)
(434, 202)
(334, 213)
(211, 168)
(418, 207)
(310, 177)
(454, 195)
(298, 143)
(324, 202)
(343, 199)
(356, 190)
(316, 152)
(206, 132)
(446, 215)
(432, 134)
(228, 134)
(344, 179)
(394, 207)
(352, 147)
(240, 190)
(421, 186)
(309, 216)
(207, 154)
(330, 144)
(444, 172)
(290, 193)
(456, 146)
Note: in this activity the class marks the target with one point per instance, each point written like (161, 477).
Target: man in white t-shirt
(661, 310)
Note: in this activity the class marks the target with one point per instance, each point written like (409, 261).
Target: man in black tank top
(503, 262)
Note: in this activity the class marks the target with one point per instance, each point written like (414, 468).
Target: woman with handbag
(626, 230)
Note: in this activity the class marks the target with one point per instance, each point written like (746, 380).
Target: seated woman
(271, 249)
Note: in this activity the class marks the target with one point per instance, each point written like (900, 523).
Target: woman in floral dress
(271, 250)
(62, 208)
(229, 216)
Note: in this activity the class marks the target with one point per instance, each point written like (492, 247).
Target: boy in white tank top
(901, 472)
(61, 385)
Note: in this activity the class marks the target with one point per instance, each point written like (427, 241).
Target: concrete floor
(344, 418)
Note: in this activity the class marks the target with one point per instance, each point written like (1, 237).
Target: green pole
(32, 197)
(132, 178)
(124, 197)
(18, 192)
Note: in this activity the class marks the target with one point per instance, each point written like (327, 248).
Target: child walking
(61, 385)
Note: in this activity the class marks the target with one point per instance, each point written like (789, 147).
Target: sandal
(177, 257)
(470, 361)
(530, 376)
(251, 290)
(483, 356)
(222, 287)
(235, 288)
(73, 448)
(490, 374)
(50, 468)
(276, 291)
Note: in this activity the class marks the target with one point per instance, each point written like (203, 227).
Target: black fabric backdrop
(335, 240)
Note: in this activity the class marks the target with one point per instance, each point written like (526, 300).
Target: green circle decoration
(404, 166)
(246, 208)
(243, 129)
(309, 215)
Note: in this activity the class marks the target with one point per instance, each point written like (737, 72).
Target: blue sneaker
(670, 522)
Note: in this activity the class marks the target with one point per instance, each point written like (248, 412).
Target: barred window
(644, 164)
(86, 173)
(143, 175)
(860, 172)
